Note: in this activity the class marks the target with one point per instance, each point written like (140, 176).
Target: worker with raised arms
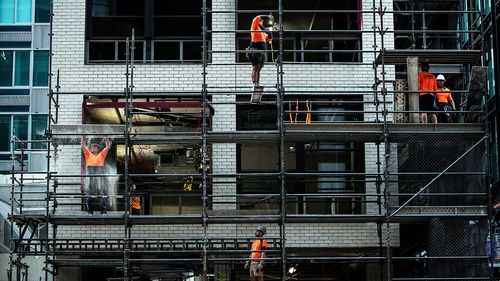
(260, 37)
(95, 158)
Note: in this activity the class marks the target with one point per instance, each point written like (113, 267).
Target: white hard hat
(441, 77)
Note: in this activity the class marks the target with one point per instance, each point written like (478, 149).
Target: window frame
(178, 196)
(33, 69)
(28, 132)
(15, 22)
(300, 202)
(148, 41)
(33, 19)
(116, 50)
(13, 70)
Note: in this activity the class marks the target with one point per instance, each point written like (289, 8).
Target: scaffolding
(419, 188)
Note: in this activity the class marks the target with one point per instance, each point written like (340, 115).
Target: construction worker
(255, 265)
(135, 202)
(94, 163)
(188, 184)
(427, 83)
(443, 99)
(259, 41)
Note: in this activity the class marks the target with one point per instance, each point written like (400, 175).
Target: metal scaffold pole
(48, 135)
(387, 152)
(126, 249)
(204, 147)
(487, 129)
(281, 120)
(496, 60)
(12, 208)
(376, 102)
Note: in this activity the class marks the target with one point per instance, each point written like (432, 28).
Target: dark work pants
(96, 187)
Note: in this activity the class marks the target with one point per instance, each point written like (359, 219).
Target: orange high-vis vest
(258, 36)
(92, 160)
(136, 202)
(444, 96)
(256, 246)
(426, 82)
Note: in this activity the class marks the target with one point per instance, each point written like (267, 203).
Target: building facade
(336, 194)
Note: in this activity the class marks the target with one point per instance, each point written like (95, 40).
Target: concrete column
(412, 73)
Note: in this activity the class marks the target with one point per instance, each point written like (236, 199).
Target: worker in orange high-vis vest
(427, 86)
(136, 205)
(135, 202)
(261, 25)
(443, 99)
(95, 158)
(256, 264)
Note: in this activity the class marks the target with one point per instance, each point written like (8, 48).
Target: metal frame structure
(383, 132)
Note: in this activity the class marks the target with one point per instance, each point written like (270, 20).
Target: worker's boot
(88, 205)
(104, 205)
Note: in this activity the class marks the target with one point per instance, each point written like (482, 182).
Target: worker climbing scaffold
(260, 36)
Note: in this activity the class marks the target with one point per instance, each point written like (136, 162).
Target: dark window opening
(311, 194)
(165, 31)
(106, 8)
(6, 65)
(427, 26)
(14, 125)
(301, 45)
(5, 128)
(42, 11)
(167, 51)
(116, 27)
(41, 68)
(256, 117)
(102, 51)
(192, 51)
(162, 194)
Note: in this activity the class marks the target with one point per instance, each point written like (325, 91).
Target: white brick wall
(69, 54)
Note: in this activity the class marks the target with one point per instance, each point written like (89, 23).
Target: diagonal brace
(437, 177)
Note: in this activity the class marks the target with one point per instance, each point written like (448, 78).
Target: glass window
(102, 51)
(165, 51)
(111, 21)
(38, 126)
(22, 69)
(103, 8)
(252, 117)
(138, 54)
(7, 11)
(6, 68)
(40, 68)
(20, 127)
(128, 7)
(23, 11)
(192, 51)
(4, 132)
(42, 11)
(164, 8)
